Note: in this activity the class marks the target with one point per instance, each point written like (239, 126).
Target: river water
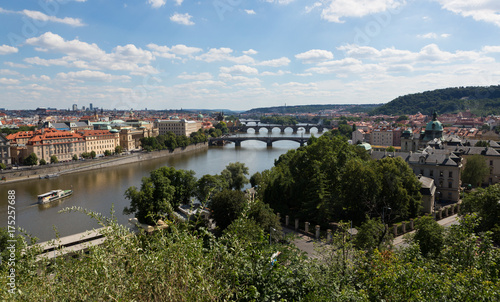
(102, 189)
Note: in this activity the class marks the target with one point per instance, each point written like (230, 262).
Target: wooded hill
(312, 108)
(481, 101)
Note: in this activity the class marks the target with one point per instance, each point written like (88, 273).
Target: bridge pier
(301, 143)
(294, 130)
(257, 130)
(308, 130)
(282, 129)
(269, 143)
(237, 143)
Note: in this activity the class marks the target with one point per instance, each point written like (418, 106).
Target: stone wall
(92, 164)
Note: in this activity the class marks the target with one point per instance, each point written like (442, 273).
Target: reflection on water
(100, 190)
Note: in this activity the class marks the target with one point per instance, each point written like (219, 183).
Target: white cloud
(278, 73)
(337, 9)
(479, 10)
(181, 49)
(157, 3)
(8, 72)
(6, 81)
(433, 36)
(250, 52)
(312, 7)
(283, 2)
(196, 76)
(283, 61)
(89, 56)
(315, 55)
(6, 49)
(16, 65)
(184, 19)
(39, 16)
(250, 11)
(178, 2)
(239, 70)
(90, 75)
(224, 54)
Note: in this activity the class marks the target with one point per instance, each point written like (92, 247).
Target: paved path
(446, 222)
(307, 244)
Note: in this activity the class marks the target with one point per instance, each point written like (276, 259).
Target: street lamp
(383, 214)
(271, 229)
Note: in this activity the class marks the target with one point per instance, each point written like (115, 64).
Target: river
(101, 189)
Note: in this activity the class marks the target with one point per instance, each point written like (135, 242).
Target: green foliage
(53, 159)
(8, 131)
(85, 155)
(390, 149)
(479, 100)
(31, 160)
(75, 157)
(402, 118)
(256, 179)
(227, 206)
(43, 162)
(208, 185)
(171, 141)
(222, 126)
(373, 235)
(429, 235)
(3, 166)
(482, 144)
(279, 119)
(475, 170)
(234, 175)
(484, 202)
(330, 180)
(92, 154)
(164, 190)
(118, 149)
(107, 152)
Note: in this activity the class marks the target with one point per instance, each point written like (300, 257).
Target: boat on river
(53, 196)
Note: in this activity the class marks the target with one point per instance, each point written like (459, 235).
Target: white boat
(53, 195)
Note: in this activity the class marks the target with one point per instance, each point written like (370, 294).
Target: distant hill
(352, 108)
(479, 100)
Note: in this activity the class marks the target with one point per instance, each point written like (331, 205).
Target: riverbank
(52, 170)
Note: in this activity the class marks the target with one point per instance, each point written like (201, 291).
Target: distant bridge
(295, 128)
(269, 140)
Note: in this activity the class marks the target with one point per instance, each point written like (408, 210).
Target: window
(491, 163)
(441, 173)
(421, 172)
(450, 174)
(431, 173)
(450, 184)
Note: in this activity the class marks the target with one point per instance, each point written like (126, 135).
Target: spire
(434, 116)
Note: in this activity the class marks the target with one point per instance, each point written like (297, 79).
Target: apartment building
(100, 140)
(178, 127)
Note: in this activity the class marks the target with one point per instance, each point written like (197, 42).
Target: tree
(429, 235)
(75, 157)
(373, 235)
(53, 159)
(92, 154)
(107, 153)
(227, 206)
(234, 174)
(482, 144)
(3, 166)
(208, 185)
(256, 179)
(31, 160)
(265, 217)
(402, 118)
(475, 170)
(484, 202)
(161, 192)
(390, 149)
(118, 149)
(43, 162)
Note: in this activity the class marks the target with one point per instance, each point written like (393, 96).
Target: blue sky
(236, 54)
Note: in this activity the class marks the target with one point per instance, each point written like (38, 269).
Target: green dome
(434, 126)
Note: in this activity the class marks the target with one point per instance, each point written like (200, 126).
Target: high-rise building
(75, 107)
(91, 107)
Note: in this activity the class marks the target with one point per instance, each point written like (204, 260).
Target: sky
(239, 54)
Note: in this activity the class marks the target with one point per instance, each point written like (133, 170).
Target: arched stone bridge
(295, 128)
(269, 140)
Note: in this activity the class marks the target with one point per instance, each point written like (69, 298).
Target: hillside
(479, 100)
(312, 109)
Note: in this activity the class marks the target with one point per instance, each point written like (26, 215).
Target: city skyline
(239, 55)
